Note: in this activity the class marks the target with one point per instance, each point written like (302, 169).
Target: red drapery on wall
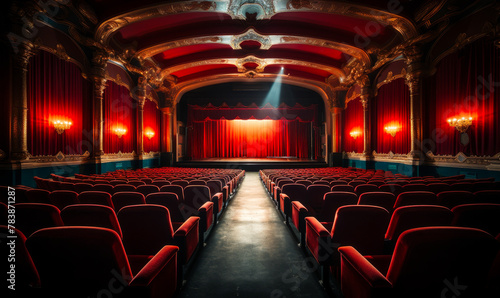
(466, 84)
(249, 138)
(391, 107)
(119, 112)
(152, 118)
(57, 91)
(353, 119)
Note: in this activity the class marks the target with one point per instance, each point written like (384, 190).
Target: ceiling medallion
(240, 9)
(251, 34)
(240, 63)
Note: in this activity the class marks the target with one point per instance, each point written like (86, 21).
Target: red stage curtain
(391, 107)
(119, 112)
(57, 90)
(353, 121)
(249, 138)
(466, 84)
(152, 118)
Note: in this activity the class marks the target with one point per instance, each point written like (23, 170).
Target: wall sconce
(392, 130)
(61, 125)
(461, 124)
(355, 134)
(150, 134)
(120, 131)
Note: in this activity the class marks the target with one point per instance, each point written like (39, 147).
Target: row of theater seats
(372, 253)
(79, 242)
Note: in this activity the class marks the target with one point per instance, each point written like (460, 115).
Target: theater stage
(253, 164)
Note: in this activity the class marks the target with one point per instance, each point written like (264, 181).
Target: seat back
(315, 195)
(91, 215)
(334, 200)
(296, 192)
(385, 200)
(182, 183)
(363, 188)
(409, 217)
(81, 187)
(123, 187)
(306, 183)
(488, 196)
(31, 217)
(438, 187)
(146, 228)
(171, 202)
(63, 198)
(464, 186)
(196, 195)
(161, 183)
(361, 226)
(414, 187)
(480, 216)
(415, 198)
(177, 189)
(343, 187)
(197, 182)
(104, 188)
(96, 197)
(26, 273)
(215, 186)
(127, 198)
(425, 260)
(38, 196)
(78, 261)
(452, 198)
(147, 189)
(391, 187)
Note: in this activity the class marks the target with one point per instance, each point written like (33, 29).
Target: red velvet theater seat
(487, 196)
(104, 188)
(31, 217)
(450, 199)
(334, 200)
(83, 262)
(96, 197)
(396, 189)
(177, 189)
(91, 215)
(63, 198)
(438, 187)
(147, 189)
(196, 196)
(385, 200)
(123, 187)
(180, 212)
(415, 198)
(147, 228)
(81, 187)
(360, 226)
(38, 196)
(409, 217)
(315, 195)
(431, 262)
(290, 193)
(26, 275)
(127, 198)
(364, 188)
(481, 216)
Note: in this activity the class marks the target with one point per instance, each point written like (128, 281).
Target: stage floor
(250, 159)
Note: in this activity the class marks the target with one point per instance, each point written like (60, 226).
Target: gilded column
(414, 82)
(98, 85)
(141, 100)
(19, 125)
(166, 129)
(336, 136)
(365, 99)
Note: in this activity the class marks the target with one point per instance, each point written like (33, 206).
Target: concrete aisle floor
(251, 253)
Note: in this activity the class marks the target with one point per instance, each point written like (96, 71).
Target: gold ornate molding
(59, 157)
(264, 40)
(462, 158)
(262, 62)
(239, 8)
(392, 77)
(118, 155)
(392, 156)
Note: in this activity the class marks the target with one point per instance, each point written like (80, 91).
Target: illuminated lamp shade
(149, 134)
(392, 129)
(355, 134)
(61, 125)
(461, 124)
(120, 131)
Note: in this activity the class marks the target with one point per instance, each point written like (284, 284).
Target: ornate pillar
(98, 85)
(166, 129)
(414, 82)
(365, 99)
(336, 136)
(19, 125)
(141, 100)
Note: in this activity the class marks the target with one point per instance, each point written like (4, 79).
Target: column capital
(23, 56)
(167, 110)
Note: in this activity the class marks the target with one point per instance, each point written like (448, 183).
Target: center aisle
(251, 253)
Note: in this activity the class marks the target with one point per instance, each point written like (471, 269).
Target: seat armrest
(206, 214)
(285, 203)
(218, 202)
(187, 238)
(159, 276)
(299, 213)
(318, 240)
(359, 277)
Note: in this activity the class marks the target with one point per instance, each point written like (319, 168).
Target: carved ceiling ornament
(391, 77)
(238, 9)
(261, 63)
(251, 34)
